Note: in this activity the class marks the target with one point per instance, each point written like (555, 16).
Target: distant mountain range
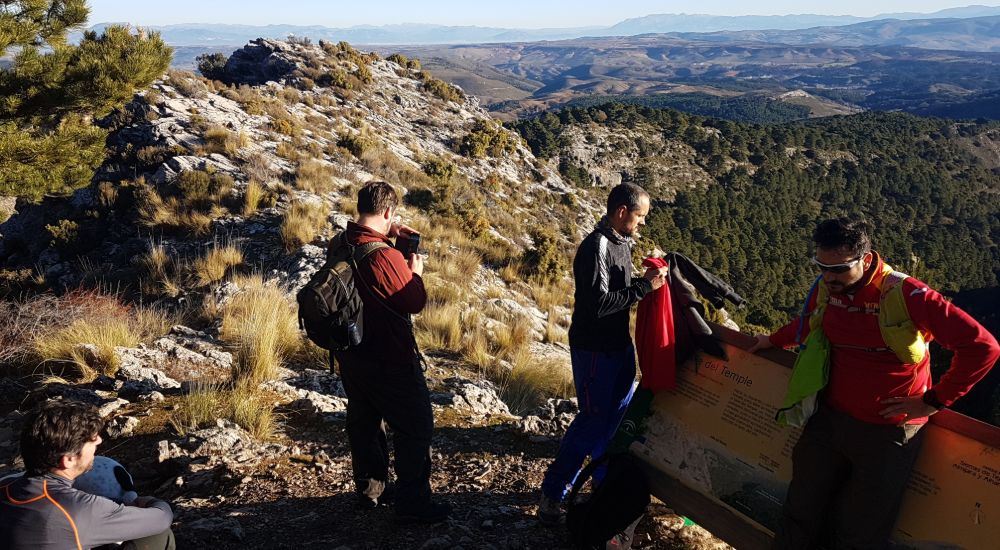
(412, 34)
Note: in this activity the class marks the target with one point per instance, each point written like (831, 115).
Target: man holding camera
(383, 376)
(41, 509)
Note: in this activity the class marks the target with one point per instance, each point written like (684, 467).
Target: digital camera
(408, 244)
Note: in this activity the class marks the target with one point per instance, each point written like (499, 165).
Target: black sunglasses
(836, 268)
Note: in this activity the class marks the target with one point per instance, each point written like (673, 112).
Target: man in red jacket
(855, 455)
(383, 377)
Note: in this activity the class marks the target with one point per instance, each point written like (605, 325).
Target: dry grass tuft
(476, 346)
(349, 206)
(549, 293)
(212, 267)
(252, 197)
(554, 332)
(63, 347)
(303, 222)
(48, 331)
(531, 381)
(159, 273)
(314, 176)
(197, 409)
(261, 324)
(512, 338)
(171, 213)
(220, 140)
(439, 326)
(252, 410)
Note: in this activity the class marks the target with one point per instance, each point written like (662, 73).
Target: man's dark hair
(844, 234)
(375, 197)
(627, 195)
(54, 429)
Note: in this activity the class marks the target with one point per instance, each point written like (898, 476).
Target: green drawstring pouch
(809, 376)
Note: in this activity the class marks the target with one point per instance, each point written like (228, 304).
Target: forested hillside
(931, 187)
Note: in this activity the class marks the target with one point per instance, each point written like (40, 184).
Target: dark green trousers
(848, 478)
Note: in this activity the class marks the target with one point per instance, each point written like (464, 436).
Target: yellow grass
(476, 348)
(62, 347)
(457, 266)
(440, 291)
(215, 263)
(260, 324)
(512, 338)
(554, 332)
(197, 409)
(548, 293)
(314, 176)
(531, 381)
(159, 273)
(220, 140)
(439, 326)
(510, 273)
(303, 222)
(252, 197)
(155, 211)
(349, 206)
(251, 409)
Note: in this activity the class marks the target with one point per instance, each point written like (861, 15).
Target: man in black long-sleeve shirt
(601, 349)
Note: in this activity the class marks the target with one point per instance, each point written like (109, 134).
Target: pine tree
(53, 92)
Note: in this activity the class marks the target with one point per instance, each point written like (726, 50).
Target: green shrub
(355, 143)
(64, 234)
(194, 185)
(443, 90)
(544, 260)
(404, 61)
(212, 65)
(439, 169)
(487, 137)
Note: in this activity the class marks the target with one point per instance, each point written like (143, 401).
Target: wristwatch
(930, 398)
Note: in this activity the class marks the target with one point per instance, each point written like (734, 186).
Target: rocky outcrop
(261, 61)
(478, 397)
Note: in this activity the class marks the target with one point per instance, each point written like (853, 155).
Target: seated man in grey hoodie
(41, 510)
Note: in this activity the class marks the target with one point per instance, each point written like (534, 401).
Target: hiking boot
(549, 511)
(368, 502)
(433, 512)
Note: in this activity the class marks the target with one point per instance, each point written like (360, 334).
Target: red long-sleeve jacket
(654, 337)
(861, 379)
(395, 293)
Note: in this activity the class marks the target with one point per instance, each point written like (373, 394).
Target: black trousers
(848, 478)
(396, 395)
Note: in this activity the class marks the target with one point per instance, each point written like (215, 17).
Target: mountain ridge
(425, 33)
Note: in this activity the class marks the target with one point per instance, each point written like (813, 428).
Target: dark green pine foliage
(934, 205)
(53, 91)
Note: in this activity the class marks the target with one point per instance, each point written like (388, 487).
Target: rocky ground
(294, 489)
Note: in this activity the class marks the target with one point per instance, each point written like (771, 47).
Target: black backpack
(608, 519)
(330, 309)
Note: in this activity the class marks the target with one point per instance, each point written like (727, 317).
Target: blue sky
(495, 13)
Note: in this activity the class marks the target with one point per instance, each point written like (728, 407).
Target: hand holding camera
(408, 243)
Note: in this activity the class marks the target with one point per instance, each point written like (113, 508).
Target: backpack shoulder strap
(363, 251)
(892, 280)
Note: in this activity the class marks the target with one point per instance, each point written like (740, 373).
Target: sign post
(715, 453)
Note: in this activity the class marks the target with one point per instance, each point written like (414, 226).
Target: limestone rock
(122, 426)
